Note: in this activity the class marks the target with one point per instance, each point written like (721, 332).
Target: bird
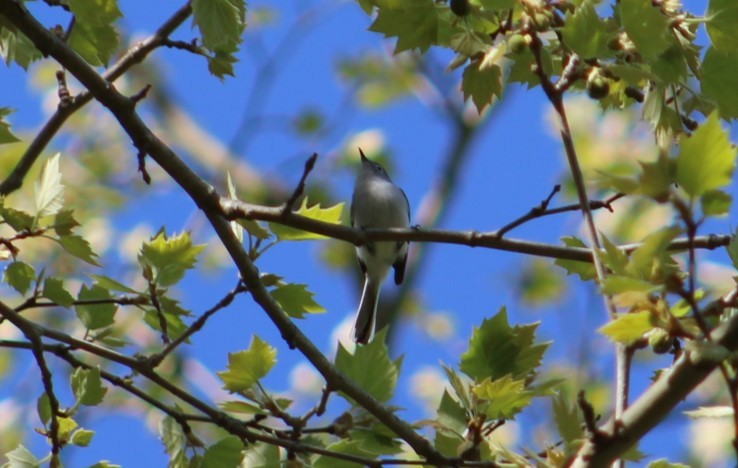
(377, 203)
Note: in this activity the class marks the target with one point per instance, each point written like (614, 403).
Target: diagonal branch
(207, 200)
(135, 54)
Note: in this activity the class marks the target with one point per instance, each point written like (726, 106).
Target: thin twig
(290, 203)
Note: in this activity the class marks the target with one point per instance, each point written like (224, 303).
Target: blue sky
(513, 165)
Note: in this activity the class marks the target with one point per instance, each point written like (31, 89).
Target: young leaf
(585, 270)
(21, 457)
(481, 83)
(17, 219)
(111, 284)
(43, 408)
(262, 455)
(175, 441)
(241, 407)
(451, 415)
(95, 315)
(370, 367)
(20, 275)
(170, 257)
(296, 300)
(628, 328)
(226, 452)
(719, 80)
(722, 22)
(87, 386)
(332, 214)
(567, 418)
(496, 349)
(79, 247)
(82, 437)
(94, 36)
(415, 25)
(505, 397)
(175, 325)
(716, 203)
(245, 368)
(66, 428)
(221, 23)
(646, 26)
(15, 46)
(48, 190)
(235, 227)
(706, 159)
(5, 134)
(64, 222)
(585, 32)
(54, 291)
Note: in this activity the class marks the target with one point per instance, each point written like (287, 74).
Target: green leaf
(332, 215)
(262, 455)
(66, 428)
(18, 220)
(82, 437)
(95, 316)
(460, 386)
(226, 452)
(716, 203)
(415, 26)
(175, 325)
(20, 276)
(48, 190)
(87, 386)
(296, 300)
(235, 227)
(451, 415)
(646, 26)
(6, 136)
(370, 367)
(481, 83)
(613, 257)
(615, 284)
(627, 328)
(170, 257)
(54, 290)
(719, 80)
(568, 421)
(585, 270)
(79, 247)
(175, 441)
(496, 350)
(657, 177)
(706, 159)
(43, 408)
(235, 406)
(64, 222)
(111, 284)
(94, 36)
(221, 23)
(21, 457)
(505, 396)
(722, 23)
(245, 368)
(653, 249)
(15, 46)
(221, 64)
(585, 32)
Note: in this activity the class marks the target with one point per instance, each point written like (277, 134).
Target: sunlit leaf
(296, 300)
(706, 159)
(95, 310)
(20, 276)
(496, 349)
(370, 367)
(332, 215)
(246, 367)
(48, 190)
(226, 452)
(628, 328)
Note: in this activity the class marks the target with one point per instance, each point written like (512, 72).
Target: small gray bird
(377, 203)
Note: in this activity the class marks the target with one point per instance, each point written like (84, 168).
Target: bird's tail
(366, 317)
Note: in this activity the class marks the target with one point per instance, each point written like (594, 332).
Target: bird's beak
(363, 156)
